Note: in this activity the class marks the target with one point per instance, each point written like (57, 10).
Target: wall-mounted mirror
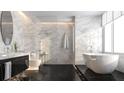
(6, 27)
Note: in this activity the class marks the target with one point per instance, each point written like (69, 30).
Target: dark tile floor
(52, 73)
(89, 75)
(67, 73)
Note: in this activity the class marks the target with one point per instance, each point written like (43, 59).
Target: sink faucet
(90, 49)
(7, 49)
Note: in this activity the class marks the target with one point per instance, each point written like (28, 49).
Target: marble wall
(2, 46)
(88, 36)
(32, 36)
(54, 39)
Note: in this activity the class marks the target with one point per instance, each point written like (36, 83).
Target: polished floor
(50, 73)
(66, 73)
(88, 75)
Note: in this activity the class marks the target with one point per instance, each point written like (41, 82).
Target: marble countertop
(4, 56)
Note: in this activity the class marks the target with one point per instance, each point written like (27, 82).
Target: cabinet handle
(26, 62)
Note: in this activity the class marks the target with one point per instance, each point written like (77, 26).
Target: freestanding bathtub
(101, 63)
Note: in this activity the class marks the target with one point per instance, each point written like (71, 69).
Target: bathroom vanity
(19, 63)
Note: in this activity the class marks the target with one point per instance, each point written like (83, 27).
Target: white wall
(88, 32)
(29, 33)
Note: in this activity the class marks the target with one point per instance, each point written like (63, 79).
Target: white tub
(101, 63)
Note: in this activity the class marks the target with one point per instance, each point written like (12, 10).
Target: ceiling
(61, 15)
(66, 13)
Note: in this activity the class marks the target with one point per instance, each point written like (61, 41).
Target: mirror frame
(3, 38)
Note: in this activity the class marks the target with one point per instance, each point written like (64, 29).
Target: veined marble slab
(5, 56)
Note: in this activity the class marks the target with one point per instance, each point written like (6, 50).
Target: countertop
(5, 56)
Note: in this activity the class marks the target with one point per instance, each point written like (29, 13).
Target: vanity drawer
(19, 65)
(1, 72)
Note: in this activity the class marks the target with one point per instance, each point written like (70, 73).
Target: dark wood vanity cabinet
(19, 65)
(1, 72)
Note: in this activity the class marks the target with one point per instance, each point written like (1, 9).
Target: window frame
(112, 40)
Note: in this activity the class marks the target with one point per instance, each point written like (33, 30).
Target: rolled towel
(7, 70)
(66, 41)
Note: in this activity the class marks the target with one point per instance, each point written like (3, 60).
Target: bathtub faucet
(90, 49)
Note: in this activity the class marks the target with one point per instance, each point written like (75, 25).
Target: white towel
(7, 70)
(66, 41)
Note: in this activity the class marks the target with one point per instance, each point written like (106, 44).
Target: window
(119, 35)
(114, 36)
(108, 38)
